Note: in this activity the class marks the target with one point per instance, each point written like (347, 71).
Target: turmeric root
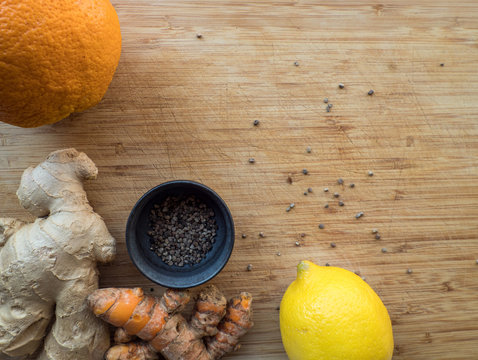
(48, 267)
(213, 331)
(132, 351)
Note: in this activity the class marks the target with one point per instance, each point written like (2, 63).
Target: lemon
(329, 313)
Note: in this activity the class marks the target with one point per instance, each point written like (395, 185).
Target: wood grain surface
(182, 107)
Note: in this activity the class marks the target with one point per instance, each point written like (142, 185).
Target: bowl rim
(135, 256)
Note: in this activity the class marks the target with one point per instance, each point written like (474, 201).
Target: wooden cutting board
(182, 107)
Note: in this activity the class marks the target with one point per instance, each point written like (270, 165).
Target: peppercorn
(359, 215)
(183, 230)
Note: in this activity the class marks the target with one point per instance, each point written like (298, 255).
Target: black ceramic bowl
(151, 265)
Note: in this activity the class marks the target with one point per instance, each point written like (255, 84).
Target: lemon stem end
(302, 269)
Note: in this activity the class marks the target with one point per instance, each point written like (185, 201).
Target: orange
(56, 58)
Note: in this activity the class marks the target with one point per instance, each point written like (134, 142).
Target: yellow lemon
(329, 313)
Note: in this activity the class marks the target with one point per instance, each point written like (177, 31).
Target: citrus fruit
(56, 58)
(329, 313)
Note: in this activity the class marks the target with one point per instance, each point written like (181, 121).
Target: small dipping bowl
(138, 242)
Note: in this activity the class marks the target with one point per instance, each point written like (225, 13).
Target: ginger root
(213, 331)
(48, 267)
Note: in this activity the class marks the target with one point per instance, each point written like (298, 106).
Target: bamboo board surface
(180, 107)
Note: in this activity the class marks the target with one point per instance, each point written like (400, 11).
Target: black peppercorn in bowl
(180, 234)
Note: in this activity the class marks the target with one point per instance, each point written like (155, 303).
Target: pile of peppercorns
(183, 230)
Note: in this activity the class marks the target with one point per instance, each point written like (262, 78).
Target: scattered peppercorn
(336, 195)
(249, 267)
(151, 289)
(297, 243)
(442, 64)
(305, 171)
(308, 149)
(292, 205)
(341, 203)
(302, 234)
(370, 92)
(359, 215)
(477, 261)
(287, 209)
(409, 271)
(332, 244)
(357, 272)
(289, 178)
(341, 86)
(278, 308)
(321, 226)
(278, 253)
(327, 109)
(384, 250)
(305, 192)
(340, 181)
(252, 160)
(261, 234)
(326, 189)
(326, 206)
(326, 100)
(377, 236)
(330, 106)
(296, 63)
(256, 122)
(199, 36)
(244, 236)
(363, 278)
(309, 189)
(327, 264)
(370, 173)
(374, 231)
(352, 185)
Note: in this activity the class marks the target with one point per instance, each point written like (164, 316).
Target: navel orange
(56, 58)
